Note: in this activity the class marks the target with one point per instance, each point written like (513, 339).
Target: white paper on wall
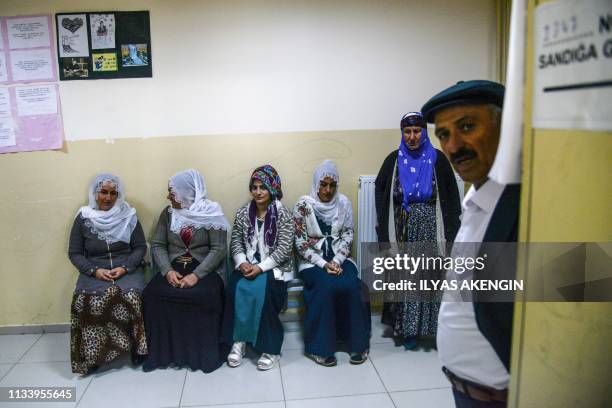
(31, 65)
(102, 31)
(28, 32)
(3, 72)
(573, 65)
(36, 100)
(7, 132)
(5, 103)
(72, 33)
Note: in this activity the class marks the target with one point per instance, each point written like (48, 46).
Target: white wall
(252, 66)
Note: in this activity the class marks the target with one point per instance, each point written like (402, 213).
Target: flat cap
(474, 92)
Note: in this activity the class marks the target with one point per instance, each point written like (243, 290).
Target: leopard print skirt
(105, 327)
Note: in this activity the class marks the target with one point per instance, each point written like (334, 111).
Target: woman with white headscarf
(183, 303)
(333, 293)
(107, 246)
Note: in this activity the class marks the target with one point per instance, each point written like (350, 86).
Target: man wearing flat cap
(474, 337)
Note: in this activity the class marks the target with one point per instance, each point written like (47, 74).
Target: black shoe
(92, 370)
(358, 358)
(324, 361)
(138, 359)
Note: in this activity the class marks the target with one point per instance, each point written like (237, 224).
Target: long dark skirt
(271, 333)
(337, 310)
(104, 327)
(415, 319)
(184, 325)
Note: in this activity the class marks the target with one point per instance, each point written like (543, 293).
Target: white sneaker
(234, 358)
(267, 361)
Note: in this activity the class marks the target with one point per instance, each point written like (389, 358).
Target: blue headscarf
(416, 167)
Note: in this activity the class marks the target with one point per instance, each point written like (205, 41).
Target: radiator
(366, 214)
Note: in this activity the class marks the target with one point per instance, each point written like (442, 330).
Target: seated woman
(183, 303)
(261, 246)
(107, 246)
(335, 306)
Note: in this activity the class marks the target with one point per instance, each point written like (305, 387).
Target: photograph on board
(104, 62)
(75, 67)
(134, 55)
(102, 29)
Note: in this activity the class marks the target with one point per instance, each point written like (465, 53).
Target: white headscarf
(327, 212)
(116, 224)
(197, 211)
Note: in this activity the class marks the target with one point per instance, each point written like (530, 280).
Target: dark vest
(494, 320)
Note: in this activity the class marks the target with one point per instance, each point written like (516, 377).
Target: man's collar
(485, 197)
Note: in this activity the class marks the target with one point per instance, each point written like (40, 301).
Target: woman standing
(261, 244)
(183, 303)
(335, 307)
(416, 201)
(107, 246)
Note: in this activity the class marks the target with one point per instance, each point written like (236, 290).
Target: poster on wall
(30, 118)
(30, 109)
(28, 32)
(72, 35)
(3, 71)
(573, 65)
(26, 50)
(118, 45)
(104, 62)
(31, 65)
(102, 31)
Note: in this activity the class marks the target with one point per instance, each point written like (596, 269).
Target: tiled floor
(391, 378)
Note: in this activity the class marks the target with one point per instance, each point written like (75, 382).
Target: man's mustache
(462, 154)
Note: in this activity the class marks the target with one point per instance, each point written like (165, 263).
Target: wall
(235, 84)
(561, 351)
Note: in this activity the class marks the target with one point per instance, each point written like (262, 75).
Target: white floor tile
(403, 370)
(379, 331)
(4, 368)
(440, 398)
(303, 378)
(45, 375)
(131, 387)
(293, 340)
(275, 404)
(353, 401)
(13, 346)
(233, 385)
(50, 347)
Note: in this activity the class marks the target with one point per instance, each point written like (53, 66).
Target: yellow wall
(561, 351)
(43, 190)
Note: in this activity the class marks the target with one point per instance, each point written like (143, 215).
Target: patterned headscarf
(270, 179)
(415, 167)
(272, 182)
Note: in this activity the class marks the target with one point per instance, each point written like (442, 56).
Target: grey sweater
(208, 247)
(87, 253)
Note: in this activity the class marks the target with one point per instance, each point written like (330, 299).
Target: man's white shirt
(462, 348)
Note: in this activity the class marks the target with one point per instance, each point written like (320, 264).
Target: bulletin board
(104, 45)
